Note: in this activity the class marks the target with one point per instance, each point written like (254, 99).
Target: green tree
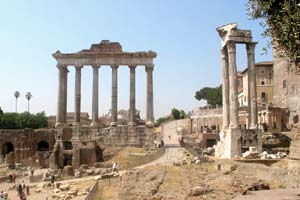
(17, 95)
(175, 113)
(281, 20)
(8, 121)
(161, 120)
(213, 96)
(23, 120)
(182, 114)
(28, 97)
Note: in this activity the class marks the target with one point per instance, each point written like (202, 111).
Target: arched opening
(7, 147)
(67, 145)
(43, 146)
(99, 154)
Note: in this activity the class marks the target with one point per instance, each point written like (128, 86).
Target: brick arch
(7, 147)
(43, 145)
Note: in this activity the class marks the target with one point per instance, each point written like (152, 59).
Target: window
(284, 84)
(238, 82)
(245, 99)
(262, 81)
(264, 96)
(262, 71)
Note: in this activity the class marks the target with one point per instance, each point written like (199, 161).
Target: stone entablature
(105, 53)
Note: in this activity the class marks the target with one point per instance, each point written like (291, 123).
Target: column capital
(96, 66)
(149, 67)
(59, 66)
(78, 67)
(223, 51)
(114, 66)
(132, 66)
(231, 47)
(251, 45)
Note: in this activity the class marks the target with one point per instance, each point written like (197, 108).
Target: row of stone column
(229, 83)
(61, 116)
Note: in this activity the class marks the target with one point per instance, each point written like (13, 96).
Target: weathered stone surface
(198, 191)
(68, 171)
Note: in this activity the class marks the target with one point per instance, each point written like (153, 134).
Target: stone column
(61, 96)
(95, 101)
(114, 96)
(233, 96)
(225, 87)
(65, 96)
(150, 114)
(132, 111)
(252, 102)
(77, 98)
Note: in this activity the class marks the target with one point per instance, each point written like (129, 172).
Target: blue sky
(183, 33)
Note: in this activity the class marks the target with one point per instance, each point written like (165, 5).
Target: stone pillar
(77, 97)
(252, 102)
(225, 87)
(95, 100)
(114, 96)
(132, 109)
(61, 96)
(233, 93)
(150, 114)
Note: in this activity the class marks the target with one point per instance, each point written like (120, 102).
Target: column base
(113, 123)
(253, 127)
(131, 124)
(76, 123)
(59, 124)
(150, 124)
(94, 124)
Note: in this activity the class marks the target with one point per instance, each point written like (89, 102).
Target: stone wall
(286, 89)
(23, 144)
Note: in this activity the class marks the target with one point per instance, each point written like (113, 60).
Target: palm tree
(17, 95)
(28, 97)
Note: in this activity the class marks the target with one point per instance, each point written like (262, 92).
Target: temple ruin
(90, 140)
(234, 140)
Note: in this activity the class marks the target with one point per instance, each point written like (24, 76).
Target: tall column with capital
(233, 93)
(114, 96)
(132, 108)
(61, 96)
(65, 96)
(150, 114)
(77, 98)
(95, 103)
(225, 87)
(252, 85)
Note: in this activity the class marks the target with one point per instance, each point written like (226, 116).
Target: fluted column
(252, 102)
(225, 87)
(132, 108)
(150, 115)
(77, 99)
(95, 103)
(233, 94)
(114, 96)
(61, 96)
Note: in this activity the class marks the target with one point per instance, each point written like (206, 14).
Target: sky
(182, 33)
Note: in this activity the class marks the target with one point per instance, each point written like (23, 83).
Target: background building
(264, 85)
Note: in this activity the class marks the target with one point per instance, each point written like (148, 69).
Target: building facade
(264, 85)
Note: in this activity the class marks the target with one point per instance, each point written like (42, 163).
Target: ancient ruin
(233, 139)
(89, 140)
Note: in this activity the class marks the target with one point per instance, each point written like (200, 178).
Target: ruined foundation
(84, 145)
(234, 142)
